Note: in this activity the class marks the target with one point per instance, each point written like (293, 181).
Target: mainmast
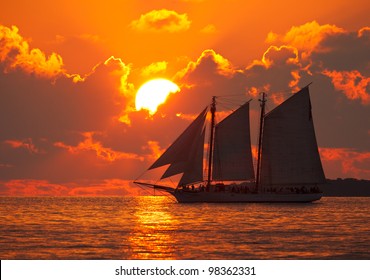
(213, 111)
(263, 101)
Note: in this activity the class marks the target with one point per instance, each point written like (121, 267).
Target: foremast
(260, 135)
(211, 140)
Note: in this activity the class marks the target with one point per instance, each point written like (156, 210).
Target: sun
(154, 93)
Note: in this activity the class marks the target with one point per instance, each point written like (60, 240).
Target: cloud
(15, 53)
(24, 144)
(280, 56)
(209, 29)
(153, 149)
(279, 70)
(56, 107)
(305, 37)
(208, 64)
(352, 84)
(351, 163)
(104, 153)
(162, 20)
(328, 50)
(209, 75)
(80, 52)
(345, 51)
(37, 108)
(108, 187)
(154, 68)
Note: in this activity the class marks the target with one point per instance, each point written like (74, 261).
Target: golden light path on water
(153, 236)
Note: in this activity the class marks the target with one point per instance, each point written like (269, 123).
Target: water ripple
(158, 228)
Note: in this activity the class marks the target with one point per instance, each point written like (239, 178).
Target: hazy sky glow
(69, 72)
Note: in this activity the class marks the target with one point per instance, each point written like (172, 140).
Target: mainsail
(232, 158)
(185, 155)
(289, 149)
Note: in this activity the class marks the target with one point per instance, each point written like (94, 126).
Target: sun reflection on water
(153, 236)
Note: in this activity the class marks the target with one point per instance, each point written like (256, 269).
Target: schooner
(288, 165)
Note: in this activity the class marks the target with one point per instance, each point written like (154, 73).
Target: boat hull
(225, 197)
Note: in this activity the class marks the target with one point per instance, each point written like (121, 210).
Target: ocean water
(156, 227)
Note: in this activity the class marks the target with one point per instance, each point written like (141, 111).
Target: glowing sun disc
(154, 93)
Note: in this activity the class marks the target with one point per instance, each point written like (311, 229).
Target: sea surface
(156, 227)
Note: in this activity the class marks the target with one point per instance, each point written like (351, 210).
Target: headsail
(185, 155)
(232, 159)
(193, 172)
(289, 149)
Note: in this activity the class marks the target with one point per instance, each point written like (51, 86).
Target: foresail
(193, 163)
(193, 171)
(185, 155)
(289, 149)
(232, 158)
(179, 150)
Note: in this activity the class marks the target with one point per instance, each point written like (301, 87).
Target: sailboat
(288, 167)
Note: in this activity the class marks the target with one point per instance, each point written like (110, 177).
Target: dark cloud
(344, 52)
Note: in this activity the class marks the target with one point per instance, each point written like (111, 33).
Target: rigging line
(227, 108)
(145, 170)
(230, 107)
(162, 192)
(168, 195)
(283, 91)
(173, 184)
(231, 101)
(146, 190)
(229, 95)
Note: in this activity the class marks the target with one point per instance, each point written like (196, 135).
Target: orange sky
(69, 72)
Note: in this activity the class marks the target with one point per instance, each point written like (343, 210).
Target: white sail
(232, 158)
(289, 149)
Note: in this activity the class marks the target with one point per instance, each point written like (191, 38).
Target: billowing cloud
(15, 53)
(209, 75)
(328, 50)
(279, 56)
(162, 20)
(305, 37)
(209, 63)
(278, 71)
